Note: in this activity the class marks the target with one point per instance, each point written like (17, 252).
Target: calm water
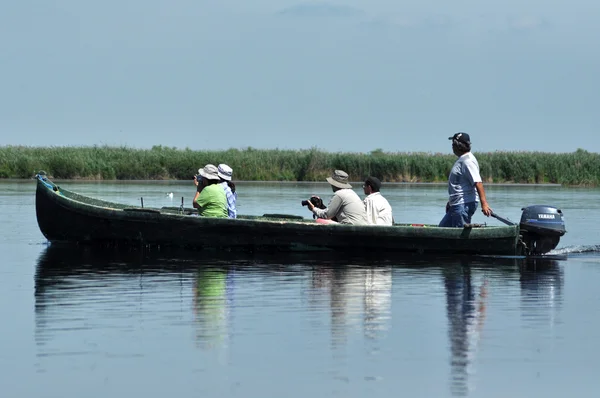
(90, 323)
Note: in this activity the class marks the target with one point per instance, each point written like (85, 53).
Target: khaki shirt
(346, 207)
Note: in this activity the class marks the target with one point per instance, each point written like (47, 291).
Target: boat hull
(64, 216)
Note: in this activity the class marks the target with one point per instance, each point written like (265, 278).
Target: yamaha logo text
(546, 216)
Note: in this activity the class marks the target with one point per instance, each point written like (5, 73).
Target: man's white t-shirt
(379, 211)
(462, 179)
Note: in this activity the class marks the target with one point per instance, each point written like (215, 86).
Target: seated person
(345, 205)
(210, 199)
(379, 211)
(225, 174)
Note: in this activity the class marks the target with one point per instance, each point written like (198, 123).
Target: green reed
(250, 164)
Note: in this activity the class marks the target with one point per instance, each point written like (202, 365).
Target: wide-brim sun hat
(210, 172)
(225, 172)
(339, 179)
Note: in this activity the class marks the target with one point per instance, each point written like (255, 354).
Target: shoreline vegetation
(579, 168)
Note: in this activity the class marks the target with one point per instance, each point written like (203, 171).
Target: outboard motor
(541, 228)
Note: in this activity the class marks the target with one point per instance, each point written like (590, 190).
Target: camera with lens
(316, 201)
(198, 177)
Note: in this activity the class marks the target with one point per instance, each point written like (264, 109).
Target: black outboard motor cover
(543, 220)
(541, 228)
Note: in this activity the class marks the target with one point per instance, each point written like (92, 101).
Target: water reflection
(213, 296)
(467, 301)
(350, 299)
(541, 284)
(359, 298)
(378, 301)
(466, 308)
(86, 279)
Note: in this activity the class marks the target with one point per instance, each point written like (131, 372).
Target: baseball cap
(462, 137)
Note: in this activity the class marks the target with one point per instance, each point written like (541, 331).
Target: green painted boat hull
(65, 216)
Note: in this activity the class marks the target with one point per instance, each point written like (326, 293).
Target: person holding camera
(379, 211)
(210, 198)
(317, 202)
(345, 205)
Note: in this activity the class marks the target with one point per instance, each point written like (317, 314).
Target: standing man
(379, 211)
(465, 188)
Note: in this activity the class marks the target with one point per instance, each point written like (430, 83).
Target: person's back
(212, 201)
(350, 209)
(378, 209)
(225, 174)
(345, 206)
(231, 198)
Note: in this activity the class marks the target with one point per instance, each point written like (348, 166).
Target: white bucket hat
(209, 172)
(225, 172)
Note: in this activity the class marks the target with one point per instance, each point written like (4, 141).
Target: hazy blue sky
(342, 76)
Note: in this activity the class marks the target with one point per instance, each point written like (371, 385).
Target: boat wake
(576, 250)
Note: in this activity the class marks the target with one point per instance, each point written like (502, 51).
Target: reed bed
(580, 168)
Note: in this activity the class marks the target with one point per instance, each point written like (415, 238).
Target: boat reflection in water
(85, 279)
(354, 294)
(541, 292)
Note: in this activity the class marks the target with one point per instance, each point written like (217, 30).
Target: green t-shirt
(212, 201)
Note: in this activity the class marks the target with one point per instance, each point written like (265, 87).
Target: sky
(341, 76)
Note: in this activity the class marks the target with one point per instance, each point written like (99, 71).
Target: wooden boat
(65, 216)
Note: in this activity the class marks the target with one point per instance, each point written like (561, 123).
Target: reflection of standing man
(466, 313)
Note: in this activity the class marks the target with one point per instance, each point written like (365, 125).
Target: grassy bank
(122, 163)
